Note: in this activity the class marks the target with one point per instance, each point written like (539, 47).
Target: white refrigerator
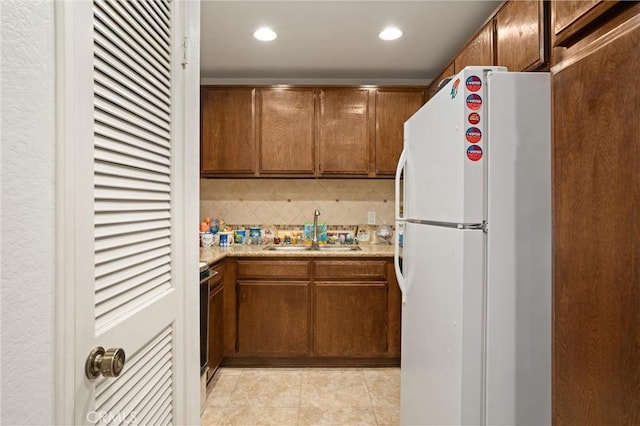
(474, 181)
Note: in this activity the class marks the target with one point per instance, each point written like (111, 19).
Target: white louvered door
(130, 290)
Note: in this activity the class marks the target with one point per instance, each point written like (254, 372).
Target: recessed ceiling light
(390, 33)
(265, 34)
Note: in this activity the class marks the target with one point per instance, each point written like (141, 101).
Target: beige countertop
(214, 254)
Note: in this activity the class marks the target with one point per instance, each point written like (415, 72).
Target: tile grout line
(373, 408)
(226, 404)
(300, 397)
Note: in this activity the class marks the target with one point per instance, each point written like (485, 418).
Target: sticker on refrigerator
(474, 83)
(474, 118)
(473, 135)
(474, 101)
(474, 153)
(454, 88)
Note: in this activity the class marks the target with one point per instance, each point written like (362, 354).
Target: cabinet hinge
(185, 60)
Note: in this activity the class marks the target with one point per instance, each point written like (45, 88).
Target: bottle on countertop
(384, 234)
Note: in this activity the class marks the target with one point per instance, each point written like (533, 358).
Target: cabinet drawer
(269, 269)
(351, 269)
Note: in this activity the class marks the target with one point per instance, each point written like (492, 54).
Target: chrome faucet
(314, 241)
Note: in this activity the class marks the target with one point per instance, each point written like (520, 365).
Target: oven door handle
(212, 274)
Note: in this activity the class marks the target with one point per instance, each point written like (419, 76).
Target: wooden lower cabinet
(272, 317)
(350, 319)
(292, 311)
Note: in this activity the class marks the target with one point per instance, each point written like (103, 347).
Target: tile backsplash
(293, 201)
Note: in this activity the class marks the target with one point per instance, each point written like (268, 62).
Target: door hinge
(185, 60)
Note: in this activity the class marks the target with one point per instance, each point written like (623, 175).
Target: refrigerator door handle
(402, 162)
(396, 262)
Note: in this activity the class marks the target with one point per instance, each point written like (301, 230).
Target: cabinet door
(350, 319)
(571, 17)
(393, 108)
(479, 51)
(394, 312)
(216, 328)
(228, 143)
(596, 198)
(344, 131)
(520, 37)
(273, 317)
(287, 130)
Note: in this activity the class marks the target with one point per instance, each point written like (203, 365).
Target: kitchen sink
(287, 248)
(325, 248)
(340, 248)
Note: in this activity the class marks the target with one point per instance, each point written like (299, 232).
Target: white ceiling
(334, 41)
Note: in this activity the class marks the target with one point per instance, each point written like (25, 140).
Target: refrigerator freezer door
(442, 326)
(446, 146)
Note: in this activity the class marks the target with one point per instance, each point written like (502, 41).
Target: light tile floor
(304, 396)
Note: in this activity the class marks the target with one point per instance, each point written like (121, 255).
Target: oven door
(204, 318)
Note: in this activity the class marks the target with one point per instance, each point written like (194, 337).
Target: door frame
(72, 126)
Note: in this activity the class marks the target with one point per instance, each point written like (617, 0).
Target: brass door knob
(108, 363)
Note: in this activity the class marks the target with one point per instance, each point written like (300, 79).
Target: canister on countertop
(255, 233)
(224, 240)
(240, 236)
(229, 237)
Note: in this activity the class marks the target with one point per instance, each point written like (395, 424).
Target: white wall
(27, 211)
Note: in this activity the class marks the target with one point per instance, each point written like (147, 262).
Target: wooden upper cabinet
(228, 142)
(448, 72)
(479, 51)
(393, 108)
(344, 120)
(570, 17)
(304, 131)
(520, 44)
(287, 130)
(596, 260)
